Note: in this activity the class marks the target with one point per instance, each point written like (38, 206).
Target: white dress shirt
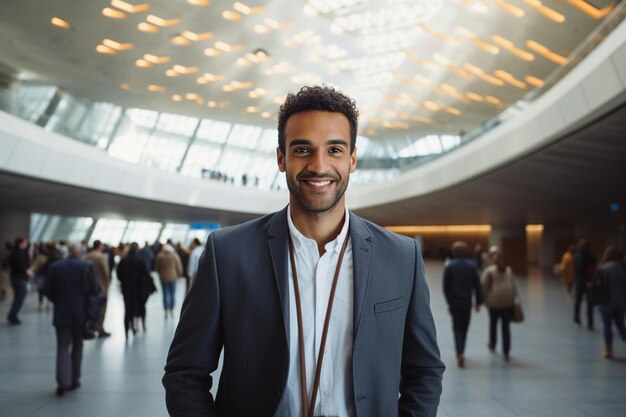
(315, 277)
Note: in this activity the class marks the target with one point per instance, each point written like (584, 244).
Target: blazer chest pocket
(387, 306)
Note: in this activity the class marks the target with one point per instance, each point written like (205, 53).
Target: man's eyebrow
(299, 142)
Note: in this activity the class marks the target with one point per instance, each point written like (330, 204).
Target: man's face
(317, 159)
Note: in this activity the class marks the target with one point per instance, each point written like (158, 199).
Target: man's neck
(321, 227)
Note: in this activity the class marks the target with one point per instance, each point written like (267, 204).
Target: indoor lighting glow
(438, 35)
(509, 8)
(180, 40)
(181, 69)
(475, 97)
(213, 52)
(510, 79)
(545, 52)
(196, 37)
(211, 104)
(247, 10)
(591, 10)
(230, 15)
(475, 5)
(471, 36)
(147, 27)
(157, 59)
(262, 29)
(213, 77)
(199, 2)
(164, 23)
(265, 114)
(546, 11)
(113, 14)
(223, 46)
(130, 8)
(117, 45)
(533, 81)
(192, 96)
(479, 228)
(421, 119)
(534, 228)
(105, 50)
(142, 63)
(509, 46)
(483, 76)
(156, 88)
(202, 80)
(453, 111)
(177, 97)
(171, 73)
(125, 86)
(252, 109)
(60, 23)
(493, 100)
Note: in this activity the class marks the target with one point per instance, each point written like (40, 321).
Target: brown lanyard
(320, 357)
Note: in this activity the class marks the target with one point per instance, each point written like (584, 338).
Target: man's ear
(280, 159)
(353, 161)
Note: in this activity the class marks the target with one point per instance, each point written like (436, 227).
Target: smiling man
(319, 312)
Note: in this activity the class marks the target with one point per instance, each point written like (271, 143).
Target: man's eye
(335, 150)
(300, 150)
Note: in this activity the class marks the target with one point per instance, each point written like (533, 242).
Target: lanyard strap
(320, 357)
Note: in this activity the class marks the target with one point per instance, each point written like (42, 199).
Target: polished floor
(556, 369)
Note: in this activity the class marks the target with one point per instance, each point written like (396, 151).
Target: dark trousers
(103, 311)
(583, 291)
(610, 316)
(460, 323)
(19, 294)
(504, 314)
(69, 355)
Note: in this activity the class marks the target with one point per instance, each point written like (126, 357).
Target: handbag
(93, 303)
(518, 313)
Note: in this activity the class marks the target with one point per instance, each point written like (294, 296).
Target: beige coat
(168, 265)
(101, 265)
(499, 290)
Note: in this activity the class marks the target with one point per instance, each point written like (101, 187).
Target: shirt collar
(299, 239)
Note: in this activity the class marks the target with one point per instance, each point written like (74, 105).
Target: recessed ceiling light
(211, 104)
(247, 10)
(196, 36)
(252, 109)
(125, 86)
(171, 73)
(534, 81)
(202, 80)
(545, 52)
(509, 8)
(130, 8)
(546, 11)
(113, 14)
(181, 40)
(230, 15)
(142, 63)
(177, 97)
(117, 45)
(199, 2)
(157, 59)
(103, 49)
(475, 97)
(265, 114)
(185, 70)
(156, 88)
(493, 100)
(192, 96)
(60, 23)
(213, 52)
(147, 27)
(161, 22)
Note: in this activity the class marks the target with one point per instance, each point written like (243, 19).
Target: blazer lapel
(277, 243)
(362, 252)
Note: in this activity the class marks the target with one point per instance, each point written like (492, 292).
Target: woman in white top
(500, 294)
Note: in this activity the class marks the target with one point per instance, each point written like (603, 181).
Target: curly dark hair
(322, 98)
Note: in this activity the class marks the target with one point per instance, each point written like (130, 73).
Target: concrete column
(13, 224)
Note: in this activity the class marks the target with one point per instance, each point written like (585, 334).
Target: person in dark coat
(584, 269)
(67, 282)
(460, 282)
(614, 272)
(19, 264)
(137, 286)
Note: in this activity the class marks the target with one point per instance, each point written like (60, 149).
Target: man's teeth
(319, 183)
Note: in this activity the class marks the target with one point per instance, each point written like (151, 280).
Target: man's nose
(318, 162)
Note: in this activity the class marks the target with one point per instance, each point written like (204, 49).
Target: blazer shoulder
(244, 232)
(381, 236)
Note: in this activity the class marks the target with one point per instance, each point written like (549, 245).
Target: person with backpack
(613, 272)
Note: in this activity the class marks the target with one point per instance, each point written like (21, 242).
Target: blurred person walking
(500, 295)
(613, 271)
(584, 269)
(19, 265)
(169, 267)
(101, 266)
(67, 283)
(567, 270)
(134, 277)
(39, 262)
(194, 258)
(461, 283)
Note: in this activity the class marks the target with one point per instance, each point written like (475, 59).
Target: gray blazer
(239, 303)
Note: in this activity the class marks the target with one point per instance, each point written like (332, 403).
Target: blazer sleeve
(197, 343)
(422, 368)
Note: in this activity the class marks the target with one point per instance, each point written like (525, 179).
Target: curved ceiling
(415, 67)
